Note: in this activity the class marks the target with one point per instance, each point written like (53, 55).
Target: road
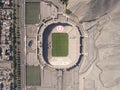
(23, 43)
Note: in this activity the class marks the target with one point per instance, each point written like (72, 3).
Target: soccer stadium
(59, 44)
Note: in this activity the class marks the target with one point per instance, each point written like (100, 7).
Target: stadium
(59, 44)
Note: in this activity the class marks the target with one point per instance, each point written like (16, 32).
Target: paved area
(31, 45)
(51, 10)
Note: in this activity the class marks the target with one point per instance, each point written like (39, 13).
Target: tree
(65, 2)
(68, 11)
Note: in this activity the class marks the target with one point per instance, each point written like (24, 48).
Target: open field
(59, 44)
(32, 13)
(33, 75)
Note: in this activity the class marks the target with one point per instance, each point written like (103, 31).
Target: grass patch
(59, 44)
(32, 13)
(33, 75)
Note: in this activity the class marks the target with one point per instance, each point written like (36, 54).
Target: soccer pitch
(59, 44)
(33, 75)
(32, 13)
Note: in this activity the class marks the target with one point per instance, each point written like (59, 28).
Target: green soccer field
(33, 75)
(59, 44)
(32, 13)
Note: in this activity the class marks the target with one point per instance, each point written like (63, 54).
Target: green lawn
(33, 75)
(59, 44)
(32, 13)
